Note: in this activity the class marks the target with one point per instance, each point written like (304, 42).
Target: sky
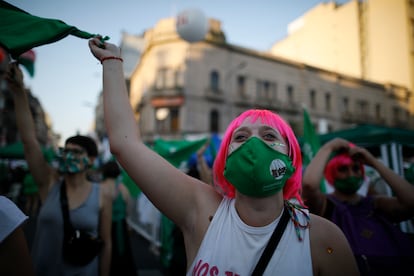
(68, 79)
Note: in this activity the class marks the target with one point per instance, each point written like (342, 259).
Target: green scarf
(21, 31)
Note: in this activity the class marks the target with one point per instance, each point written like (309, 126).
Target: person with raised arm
(369, 222)
(257, 180)
(90, 207)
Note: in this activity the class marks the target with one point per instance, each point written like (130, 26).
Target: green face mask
(348, 185)
(69, 163)
(257, 170)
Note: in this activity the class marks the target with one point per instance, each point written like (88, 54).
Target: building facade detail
(179, 88)
(371, 40)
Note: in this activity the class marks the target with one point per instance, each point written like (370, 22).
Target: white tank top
(231, 247)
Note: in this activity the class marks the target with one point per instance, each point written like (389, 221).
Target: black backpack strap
(272, 244)
(68, 228)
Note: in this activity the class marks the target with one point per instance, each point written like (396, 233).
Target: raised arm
(174, 193)
(314, 174)
(398, 207)
(37, 163)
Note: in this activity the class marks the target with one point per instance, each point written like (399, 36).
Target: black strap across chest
(272, 244)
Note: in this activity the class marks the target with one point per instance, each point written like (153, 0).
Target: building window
(214, 121)
(377, 111)
(362, 107)
(266, 90)
(161, 78)
(345, 104)
(273, 90)
(263, 89)
(178, 78)
(259, 89)
(175, 120)
(312, 96)
(289, 92)
(396, 113)
(328, 101)
(169, 78)
(214, 81)
(167, 120)
(241, 85)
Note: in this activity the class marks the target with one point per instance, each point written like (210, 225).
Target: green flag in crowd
(21, 31)
(311, 143)
(177, 151)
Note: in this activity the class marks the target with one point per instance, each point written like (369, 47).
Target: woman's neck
(75, 180)
(258, 211)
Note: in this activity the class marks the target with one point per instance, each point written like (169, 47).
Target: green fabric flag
(130, 184)
(311, 143)
(21, 31)
(167, 241)
(177, 151)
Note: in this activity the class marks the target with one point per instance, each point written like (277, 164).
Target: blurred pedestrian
(90, 207)
(122, 262)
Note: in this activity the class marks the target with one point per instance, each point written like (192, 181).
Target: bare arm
(162, 183)
(126, 195)
(105, 231)
(331, 254)
(15, 258)
(313, 175)
(401, 205)
(38, 165)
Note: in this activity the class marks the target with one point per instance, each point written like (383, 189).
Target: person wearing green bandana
(89, 205)
(256, 185)
(369, 222)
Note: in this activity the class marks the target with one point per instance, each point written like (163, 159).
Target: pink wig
(331, 168)
(293, 184)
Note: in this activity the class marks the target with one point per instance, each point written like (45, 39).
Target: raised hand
(102, 50)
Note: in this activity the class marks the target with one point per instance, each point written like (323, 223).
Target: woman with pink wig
(256, 184)
(368, 222)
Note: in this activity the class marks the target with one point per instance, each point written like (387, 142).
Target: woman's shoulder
(319, 223)
(319, 227)
(331, 252)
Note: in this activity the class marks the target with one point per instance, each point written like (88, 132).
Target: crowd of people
(261, 212)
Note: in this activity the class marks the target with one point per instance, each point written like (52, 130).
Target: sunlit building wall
(370, 39)
(180, 88)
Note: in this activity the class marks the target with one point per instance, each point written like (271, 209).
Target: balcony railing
(215, 95)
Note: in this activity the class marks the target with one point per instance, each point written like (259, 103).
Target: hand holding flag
(21, 31)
